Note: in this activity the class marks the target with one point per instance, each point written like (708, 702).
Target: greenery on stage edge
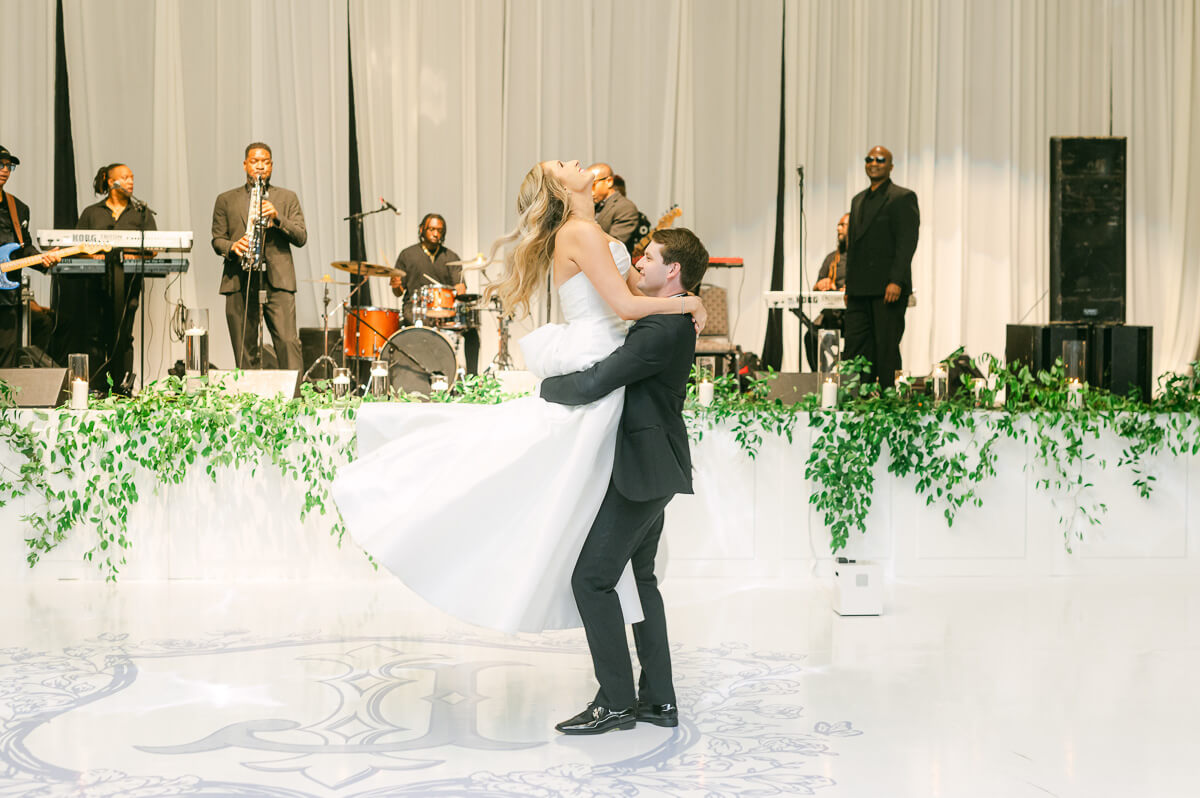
(78, 470)
(949, 447)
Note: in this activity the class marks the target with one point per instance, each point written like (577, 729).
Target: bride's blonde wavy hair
(543, 206)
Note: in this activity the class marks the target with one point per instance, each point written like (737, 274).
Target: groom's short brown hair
(680, 245)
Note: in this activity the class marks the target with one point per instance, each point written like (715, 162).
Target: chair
(713, 345)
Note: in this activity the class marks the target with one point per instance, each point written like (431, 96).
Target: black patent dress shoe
(597, 720)
(658, 714)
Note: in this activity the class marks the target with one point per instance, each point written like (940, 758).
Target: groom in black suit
(652, 464)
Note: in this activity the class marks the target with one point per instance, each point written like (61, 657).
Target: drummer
(427, 263)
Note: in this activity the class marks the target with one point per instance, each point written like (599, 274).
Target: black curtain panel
(772, 348)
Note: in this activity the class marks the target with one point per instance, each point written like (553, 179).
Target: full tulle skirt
(482, 510)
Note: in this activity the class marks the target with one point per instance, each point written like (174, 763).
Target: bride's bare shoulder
(580, 233)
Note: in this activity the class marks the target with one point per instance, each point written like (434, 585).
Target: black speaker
(1039, 345)
(312, 346)
(37, 387)
(1119, 356)
(1087, 229)
(1125, 356)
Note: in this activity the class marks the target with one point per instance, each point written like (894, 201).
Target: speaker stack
(1087, 271)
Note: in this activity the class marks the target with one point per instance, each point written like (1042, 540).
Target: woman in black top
(100, 324)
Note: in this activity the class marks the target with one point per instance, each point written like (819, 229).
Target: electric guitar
(666, 221)
(7, 265)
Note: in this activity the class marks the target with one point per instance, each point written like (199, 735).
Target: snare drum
(366, 330)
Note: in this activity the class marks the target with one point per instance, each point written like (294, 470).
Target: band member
(97, 313)
(14, 229)
(880, 242)
(427, 262)
(831, 277)
(231, 240)
(615, 213)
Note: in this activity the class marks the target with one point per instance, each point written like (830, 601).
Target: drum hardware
(503, 360)
(324, 359)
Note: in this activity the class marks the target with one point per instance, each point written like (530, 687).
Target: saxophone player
(232, 239)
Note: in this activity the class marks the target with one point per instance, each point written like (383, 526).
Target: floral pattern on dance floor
(450, 715)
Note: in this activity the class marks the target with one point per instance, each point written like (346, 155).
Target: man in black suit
(651, 465)
(285, 229)
(884, 220)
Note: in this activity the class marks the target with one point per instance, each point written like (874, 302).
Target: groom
(652, 464)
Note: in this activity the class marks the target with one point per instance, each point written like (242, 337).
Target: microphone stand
(144, 209)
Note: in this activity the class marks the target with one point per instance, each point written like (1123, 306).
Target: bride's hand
(694, 306)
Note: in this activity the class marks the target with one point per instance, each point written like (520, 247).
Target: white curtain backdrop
(456, 99)
(177, 90)
(27, 63)
(967, 96)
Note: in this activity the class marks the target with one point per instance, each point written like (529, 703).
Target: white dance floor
(1079, 686)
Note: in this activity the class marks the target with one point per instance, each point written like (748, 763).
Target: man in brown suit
(285, 228)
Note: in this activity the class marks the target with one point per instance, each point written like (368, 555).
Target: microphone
(140, 205)
(389, 206)
(800, 174)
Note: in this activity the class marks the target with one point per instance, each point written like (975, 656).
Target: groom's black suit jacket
(652, 458)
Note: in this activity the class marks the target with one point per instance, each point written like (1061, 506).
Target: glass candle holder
(378, 384)
(829, 353)
(79, 376)
(340, 384)
(940, 382)
(1074, 357)
(195, 338)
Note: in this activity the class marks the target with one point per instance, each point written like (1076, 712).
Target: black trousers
(10, 336)
(280, 313)
(624, 531)
(873, 329)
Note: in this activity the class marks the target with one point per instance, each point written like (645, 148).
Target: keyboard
(170, 240)
(813, 301)
(151, 267)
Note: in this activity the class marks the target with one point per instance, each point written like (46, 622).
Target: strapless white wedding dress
(483, 509)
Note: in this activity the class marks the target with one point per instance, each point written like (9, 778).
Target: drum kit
(419, 356)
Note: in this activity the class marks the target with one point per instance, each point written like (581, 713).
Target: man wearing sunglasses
(880, 242)
(615, 213)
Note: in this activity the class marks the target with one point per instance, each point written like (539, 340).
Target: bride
(482, 509)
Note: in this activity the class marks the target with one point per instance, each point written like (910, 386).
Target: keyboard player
(832, 277)
(96, 312)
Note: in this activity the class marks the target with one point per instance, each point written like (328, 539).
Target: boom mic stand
(324, 358)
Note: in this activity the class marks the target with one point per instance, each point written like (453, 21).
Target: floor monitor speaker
(37, 387)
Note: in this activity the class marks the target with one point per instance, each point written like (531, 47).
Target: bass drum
(414, 356)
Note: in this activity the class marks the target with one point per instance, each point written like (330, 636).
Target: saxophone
(256, 227)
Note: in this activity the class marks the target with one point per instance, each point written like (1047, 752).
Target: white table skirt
(749, 518)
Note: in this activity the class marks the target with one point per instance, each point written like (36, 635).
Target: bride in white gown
(482, 509)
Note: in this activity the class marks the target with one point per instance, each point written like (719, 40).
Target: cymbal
(327, 280)
(477, 262)
(366, 269)
(468, 298)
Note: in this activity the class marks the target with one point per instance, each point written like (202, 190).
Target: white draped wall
(455, 100)
(27, 64)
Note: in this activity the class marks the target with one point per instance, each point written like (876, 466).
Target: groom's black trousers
(624, 531)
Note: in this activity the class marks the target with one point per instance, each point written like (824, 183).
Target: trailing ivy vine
(82, 470)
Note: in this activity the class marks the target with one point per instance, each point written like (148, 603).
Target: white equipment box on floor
(858, 588)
